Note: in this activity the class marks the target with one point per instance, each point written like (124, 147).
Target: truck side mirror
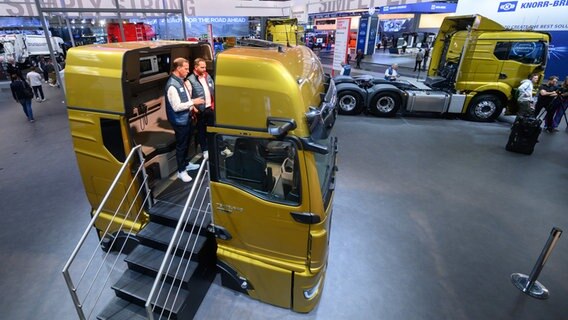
(279, 127)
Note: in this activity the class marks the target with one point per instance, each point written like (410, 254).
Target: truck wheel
(484, 108)
(385, 104)
(349, 102)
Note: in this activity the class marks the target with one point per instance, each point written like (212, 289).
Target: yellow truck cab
(479, 58)
(474, 66)
(286, 32)
(272, 158)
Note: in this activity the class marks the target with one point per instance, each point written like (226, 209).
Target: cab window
(528, 52)
(266, 168)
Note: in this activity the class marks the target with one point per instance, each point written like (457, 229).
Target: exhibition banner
(548, 15)
(318, 6)
(362, 34)
(341, 41)
(27, 8)
(371, 40)
(420, 8)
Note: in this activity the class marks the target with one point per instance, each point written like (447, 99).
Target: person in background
(404, 45)
(546, 94)
(50, 67)
(43, 67)
(391, 73)
(358, 57)
(419, 58)
(345, 69)
(179, 109)
(35, 81)
(18, 86)
(203, 87)
(13, 68)
(525, 98)
(426, 55)
(562, 105)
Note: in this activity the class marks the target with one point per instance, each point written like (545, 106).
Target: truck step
(120, 309)
(178, 191)
(135, 287)
(158, 237)
(147, 260)
(167, 213)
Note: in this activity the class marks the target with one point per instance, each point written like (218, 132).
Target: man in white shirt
(390, 73)
(525, 97)
(179, 109)
(35, 81)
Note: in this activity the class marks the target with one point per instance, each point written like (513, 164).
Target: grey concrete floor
(431, 217)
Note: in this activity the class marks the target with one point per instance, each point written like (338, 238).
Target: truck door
(479, 64)
(257, 194)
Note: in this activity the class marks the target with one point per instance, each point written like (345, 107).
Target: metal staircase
(169, 271)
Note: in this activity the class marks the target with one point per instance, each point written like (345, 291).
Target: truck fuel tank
(427, 101)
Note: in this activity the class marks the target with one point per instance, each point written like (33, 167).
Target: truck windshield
(325, 164)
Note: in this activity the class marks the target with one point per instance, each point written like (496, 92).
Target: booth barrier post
(529, 284)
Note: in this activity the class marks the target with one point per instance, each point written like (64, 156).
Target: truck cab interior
(145, 75)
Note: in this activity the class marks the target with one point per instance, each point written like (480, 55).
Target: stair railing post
(73, 292)
(144, 176)
(529, 284)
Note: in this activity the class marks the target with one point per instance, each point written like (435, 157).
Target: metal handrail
(189, 240)
(147, 200)
(182, 223)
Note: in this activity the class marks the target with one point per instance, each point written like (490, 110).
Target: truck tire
(349, 102)
(484, 108)
(385, 104)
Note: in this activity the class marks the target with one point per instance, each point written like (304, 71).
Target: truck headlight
(313, 291)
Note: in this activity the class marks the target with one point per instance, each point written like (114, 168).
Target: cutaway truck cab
(272, 155)
(115, 97)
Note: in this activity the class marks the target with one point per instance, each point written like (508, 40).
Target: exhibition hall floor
(431, 217)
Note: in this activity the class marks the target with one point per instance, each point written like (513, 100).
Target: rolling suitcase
(524, 135)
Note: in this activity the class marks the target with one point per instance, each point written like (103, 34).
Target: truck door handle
(305, 217)
(502, 76)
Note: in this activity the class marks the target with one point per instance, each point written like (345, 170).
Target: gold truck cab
(115, 97)
(273, 164)
(272, 156)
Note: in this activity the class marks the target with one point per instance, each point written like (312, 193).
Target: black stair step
(148, 260)
(168, 214)
(159, 236)
(120, 309)
(135, 287)
(178, 191)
